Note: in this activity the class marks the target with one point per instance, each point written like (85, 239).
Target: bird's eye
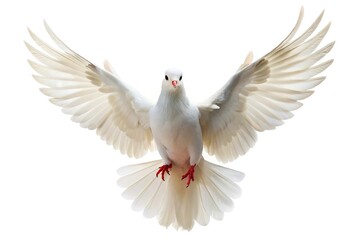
(180, 78)
(166, 77)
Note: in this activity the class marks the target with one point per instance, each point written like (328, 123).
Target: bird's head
(172, 80)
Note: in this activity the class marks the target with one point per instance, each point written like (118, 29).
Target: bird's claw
(189, 175)
(163, 169)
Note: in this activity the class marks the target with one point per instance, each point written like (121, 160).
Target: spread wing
(95, 98)
(261, 95)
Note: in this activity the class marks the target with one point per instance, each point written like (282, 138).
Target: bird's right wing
(95, 98)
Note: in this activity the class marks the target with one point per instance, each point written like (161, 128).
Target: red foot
(189, 175)
(163, 169)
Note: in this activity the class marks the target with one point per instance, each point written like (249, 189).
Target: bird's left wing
(95, 98)
(261, 95)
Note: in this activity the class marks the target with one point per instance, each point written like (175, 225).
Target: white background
(58, 181)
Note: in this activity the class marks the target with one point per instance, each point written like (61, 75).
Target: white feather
(85, 91)
(265, 92)
(258, 97)
(209, 196)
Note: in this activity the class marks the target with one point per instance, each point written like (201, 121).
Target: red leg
(163, 169)
(189, 175)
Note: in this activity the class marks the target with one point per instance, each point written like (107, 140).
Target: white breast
(177, 128)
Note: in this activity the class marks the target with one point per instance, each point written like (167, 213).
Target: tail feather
(210, 206)
(133, 173)
(141, 185)
(226, 179)
(153, 208)
(210, 195)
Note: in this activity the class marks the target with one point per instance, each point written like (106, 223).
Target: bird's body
(258, 97)
(175, 125)
(176, 129)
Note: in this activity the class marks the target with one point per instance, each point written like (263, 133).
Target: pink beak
(174, 83)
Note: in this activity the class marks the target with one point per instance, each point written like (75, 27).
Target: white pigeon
(258, 97)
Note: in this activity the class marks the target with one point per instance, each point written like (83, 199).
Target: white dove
(258, 97)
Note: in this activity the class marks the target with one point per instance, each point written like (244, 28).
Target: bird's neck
(173, 101)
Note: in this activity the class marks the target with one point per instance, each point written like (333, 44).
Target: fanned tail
(210, 195)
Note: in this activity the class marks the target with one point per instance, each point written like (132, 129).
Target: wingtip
(321, 15)
(30, 31)
(329, 24)
(331, 45)
(51, 33)
(250, 56)
(33, 36)
(107, 65)
(301, 13)
(323, 12)
(45, 23)
(28, 46)
(47, 27)
(26, 43)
